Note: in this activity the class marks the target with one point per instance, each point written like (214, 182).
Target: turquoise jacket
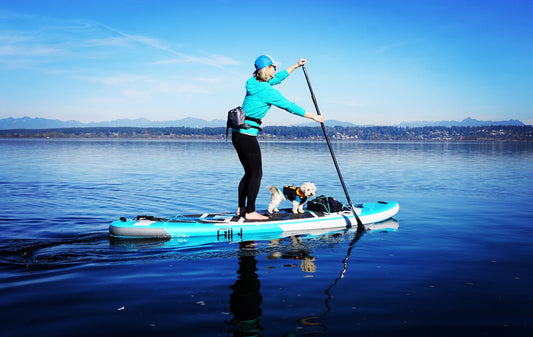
(260, 96)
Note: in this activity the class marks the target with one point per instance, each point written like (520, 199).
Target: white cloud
(111, 41)
(143, 86)
(33, 51)
(218, 61)
(215, 60)
(172, 87)
(76, 41)
(132, 93)
(121, 79)
(14, 38)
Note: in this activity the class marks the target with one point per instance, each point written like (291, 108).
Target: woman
(260, 96)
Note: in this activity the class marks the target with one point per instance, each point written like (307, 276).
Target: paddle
(359, 223)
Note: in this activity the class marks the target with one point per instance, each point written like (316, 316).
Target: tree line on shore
(377, 133)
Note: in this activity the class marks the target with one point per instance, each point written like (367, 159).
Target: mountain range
(43, 123)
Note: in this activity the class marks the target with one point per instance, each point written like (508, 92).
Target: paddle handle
(359, 223)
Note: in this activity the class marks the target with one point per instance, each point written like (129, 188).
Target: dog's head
(308, 189)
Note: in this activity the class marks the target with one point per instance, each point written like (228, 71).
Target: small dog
(298, 196)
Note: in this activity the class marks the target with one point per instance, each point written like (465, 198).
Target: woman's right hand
(318, 118)
(315, 117)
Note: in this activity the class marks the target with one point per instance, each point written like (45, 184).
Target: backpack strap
(246, 125)
(256, 120)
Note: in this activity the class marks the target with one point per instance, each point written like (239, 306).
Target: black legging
(250, 156)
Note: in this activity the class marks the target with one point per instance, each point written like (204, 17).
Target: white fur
(308, 189)
(276, 197)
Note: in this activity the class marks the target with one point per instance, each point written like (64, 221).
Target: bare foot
(255, 216)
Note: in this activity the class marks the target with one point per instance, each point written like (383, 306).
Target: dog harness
(294, 193)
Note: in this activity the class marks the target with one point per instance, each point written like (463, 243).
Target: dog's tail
(274, 190)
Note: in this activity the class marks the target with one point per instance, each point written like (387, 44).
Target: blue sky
(370, 62)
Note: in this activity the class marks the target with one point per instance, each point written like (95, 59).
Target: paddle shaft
(359, 223)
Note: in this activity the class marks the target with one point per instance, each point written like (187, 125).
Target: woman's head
(265, 68)
(265, 74)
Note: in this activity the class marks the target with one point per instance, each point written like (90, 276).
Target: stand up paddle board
(230, 226)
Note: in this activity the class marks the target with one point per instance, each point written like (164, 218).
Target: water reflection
(245, 299)
(297, 250)
(312, 325)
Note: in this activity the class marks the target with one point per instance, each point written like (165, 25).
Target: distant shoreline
(337, 133)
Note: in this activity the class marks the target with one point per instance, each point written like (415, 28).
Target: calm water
(461, 262)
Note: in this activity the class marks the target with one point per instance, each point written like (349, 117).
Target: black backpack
(325, 205)
(237, 120)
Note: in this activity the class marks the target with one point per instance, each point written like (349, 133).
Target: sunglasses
(273, 66)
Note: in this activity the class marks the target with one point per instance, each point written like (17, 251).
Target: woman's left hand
(298, 64)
